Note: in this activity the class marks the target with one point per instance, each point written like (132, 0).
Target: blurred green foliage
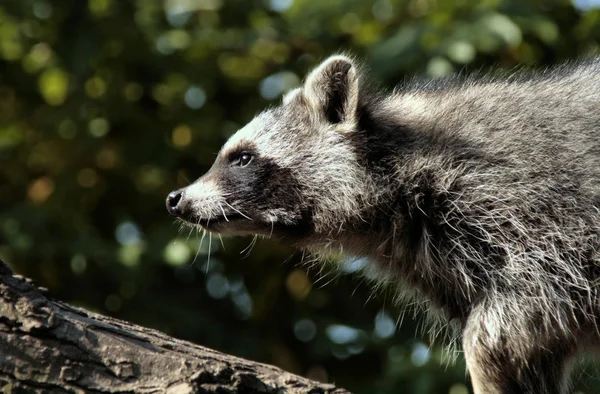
(108, 105)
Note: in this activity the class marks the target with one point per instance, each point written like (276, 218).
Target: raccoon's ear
(333, 89)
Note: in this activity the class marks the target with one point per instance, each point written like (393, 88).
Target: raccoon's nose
(173, 200)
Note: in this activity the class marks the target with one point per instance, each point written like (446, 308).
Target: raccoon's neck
(408, 232)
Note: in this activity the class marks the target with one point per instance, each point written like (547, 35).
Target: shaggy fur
(479, 195)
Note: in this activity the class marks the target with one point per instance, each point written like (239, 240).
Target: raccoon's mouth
(235, 225)
(218, 223)
(209, 224)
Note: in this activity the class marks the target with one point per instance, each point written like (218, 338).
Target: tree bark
(47, 346)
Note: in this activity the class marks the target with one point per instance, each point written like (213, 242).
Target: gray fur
(479, 195)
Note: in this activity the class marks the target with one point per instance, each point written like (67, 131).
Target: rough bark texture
(47, 346)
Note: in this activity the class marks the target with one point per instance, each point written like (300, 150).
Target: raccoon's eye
(244, 160)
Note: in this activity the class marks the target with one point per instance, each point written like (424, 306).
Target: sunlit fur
(479, 195)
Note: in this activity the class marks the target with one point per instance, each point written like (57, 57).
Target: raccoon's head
(292, 171)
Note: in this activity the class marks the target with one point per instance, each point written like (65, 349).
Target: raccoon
(478, 194)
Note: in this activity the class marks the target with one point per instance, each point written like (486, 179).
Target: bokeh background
(108, 105)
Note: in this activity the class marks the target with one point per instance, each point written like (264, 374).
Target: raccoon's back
(545, 124)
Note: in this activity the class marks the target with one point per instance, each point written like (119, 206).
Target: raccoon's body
(479, 195)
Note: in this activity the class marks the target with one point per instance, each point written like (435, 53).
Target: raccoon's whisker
(302, 258)
(237, 210)
(222, 244)
(223, 211)
(287, 259)
(190, 233)
(182, 224)
(209, 249)
(371, 295)
(310, 264)
(246, 251)
(360, 282)
(199, 246)
(400, 318)
(319, 280)
(325, 276)
(329, 281)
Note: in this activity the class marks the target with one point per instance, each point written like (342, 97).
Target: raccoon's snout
(173, 202)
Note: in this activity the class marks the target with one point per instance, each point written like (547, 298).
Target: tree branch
(49, 346)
